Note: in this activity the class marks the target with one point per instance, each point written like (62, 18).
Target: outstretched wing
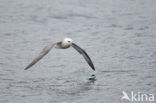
(84, 54)
(41, 55)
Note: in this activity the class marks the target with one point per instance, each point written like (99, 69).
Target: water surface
(118, 35)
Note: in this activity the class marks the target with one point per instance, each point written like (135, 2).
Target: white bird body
(64, 44)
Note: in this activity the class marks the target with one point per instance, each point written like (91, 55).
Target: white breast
(64, 45)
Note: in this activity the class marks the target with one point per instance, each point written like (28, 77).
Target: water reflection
(92, 79)
(83, 87)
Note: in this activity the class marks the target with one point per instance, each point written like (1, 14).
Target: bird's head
(68, 41)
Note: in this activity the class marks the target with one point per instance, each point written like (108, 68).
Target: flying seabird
(64, 44)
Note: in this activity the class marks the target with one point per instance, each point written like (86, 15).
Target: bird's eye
(68, 41)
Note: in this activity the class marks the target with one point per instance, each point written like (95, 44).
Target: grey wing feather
(84, 54)
(41, 55)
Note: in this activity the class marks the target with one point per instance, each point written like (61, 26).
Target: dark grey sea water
(119, 36)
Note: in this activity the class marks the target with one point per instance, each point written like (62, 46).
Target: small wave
(118, 71)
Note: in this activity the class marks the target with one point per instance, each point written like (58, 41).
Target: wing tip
(93, 68)
(26, 68)
(91, 65)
